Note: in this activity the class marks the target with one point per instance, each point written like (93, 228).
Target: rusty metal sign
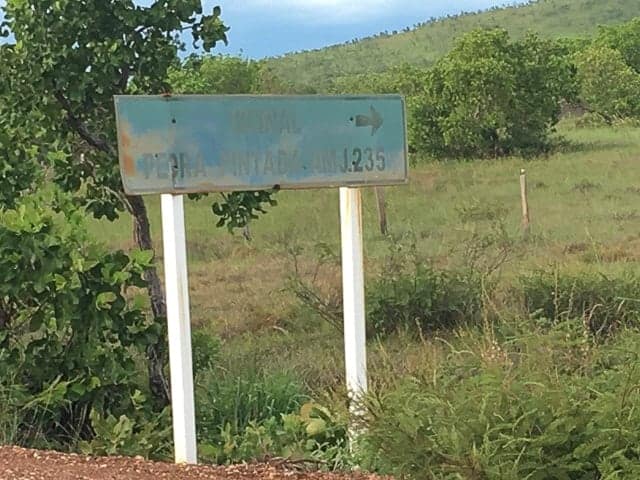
(202, 143)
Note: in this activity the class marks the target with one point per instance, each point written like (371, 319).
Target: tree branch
(81, 129)
(124, 79)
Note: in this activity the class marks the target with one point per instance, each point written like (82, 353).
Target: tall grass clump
(536, 405)
(227, 401)
(603, 302)
(426, 298)
(260, 414)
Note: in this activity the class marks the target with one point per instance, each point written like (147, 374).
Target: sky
(264, 28)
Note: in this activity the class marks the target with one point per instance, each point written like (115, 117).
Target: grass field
(585, 205)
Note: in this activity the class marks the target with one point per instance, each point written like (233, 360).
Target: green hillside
(425, 44)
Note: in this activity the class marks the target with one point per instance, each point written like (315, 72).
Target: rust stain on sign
(128, 163)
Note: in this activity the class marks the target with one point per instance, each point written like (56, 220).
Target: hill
(426, 43)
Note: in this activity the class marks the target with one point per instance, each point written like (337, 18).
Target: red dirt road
(22, 464)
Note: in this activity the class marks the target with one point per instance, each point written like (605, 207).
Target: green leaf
(105, 299)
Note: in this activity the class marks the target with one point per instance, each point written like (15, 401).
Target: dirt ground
(22, 464)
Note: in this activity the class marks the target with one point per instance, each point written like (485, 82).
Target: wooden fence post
(382, 210)
(526, 217)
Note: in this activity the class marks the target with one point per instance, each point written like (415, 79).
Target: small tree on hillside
(626, 39)
(491, 97)
(608, 86)
(220, 74)
(225, 74)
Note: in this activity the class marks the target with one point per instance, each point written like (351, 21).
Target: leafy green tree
(608, 86)
(405, 79)
(491, 96)
(222, 74)
(626, 39)
(69, 337)
(225, 74)
(65, 61)
(574, 45)
(18, 170)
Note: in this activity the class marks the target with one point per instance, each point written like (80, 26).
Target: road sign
(185, 144)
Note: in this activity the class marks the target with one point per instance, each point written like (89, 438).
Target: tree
(220, 74)
(404, 79)
(491, 96)
(608, 86)
(225, 74)
(18, 170)
(66, 61)
(626, 39)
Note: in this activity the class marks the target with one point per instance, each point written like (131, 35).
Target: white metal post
(180, 362)
(353, 295)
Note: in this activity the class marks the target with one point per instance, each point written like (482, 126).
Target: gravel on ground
(24, 464)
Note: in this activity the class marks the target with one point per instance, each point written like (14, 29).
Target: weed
(411, 292)
(605, 303)
(586, 186)
(514, 419)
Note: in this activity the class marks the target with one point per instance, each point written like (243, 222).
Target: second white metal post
(353, 294)
(179, 322)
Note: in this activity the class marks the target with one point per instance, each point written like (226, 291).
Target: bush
(221, 74)
(228, 403)
(259, 416)
(608, 86)
(491, 96)
(625, 38)
(311, 434)
(604, 303)
(426, 298)
(69, 337)
(206, 350)
(508, 412)
(134, 434)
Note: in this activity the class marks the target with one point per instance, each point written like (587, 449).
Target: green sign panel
(186, 144)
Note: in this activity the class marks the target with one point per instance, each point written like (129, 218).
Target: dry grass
(583, 204)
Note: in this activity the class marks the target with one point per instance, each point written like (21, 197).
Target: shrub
(608, 86)
(512, 414)
(133, 434)
(604, 303)
(206, 350)
(491, 96)
(426, 298)
(69, 337)
(311, 433)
